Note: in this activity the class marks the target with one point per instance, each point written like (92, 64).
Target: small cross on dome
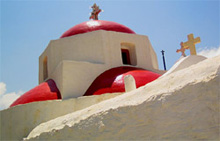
(95, 12)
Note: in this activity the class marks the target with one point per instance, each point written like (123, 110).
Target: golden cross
(182, 50)
(191, 43)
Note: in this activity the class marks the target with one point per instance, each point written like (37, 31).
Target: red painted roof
(112, 80)
(94, 25)
(45, 91)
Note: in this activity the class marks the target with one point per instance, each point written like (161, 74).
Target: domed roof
(45, 91)
(112, 81)
(94, 25)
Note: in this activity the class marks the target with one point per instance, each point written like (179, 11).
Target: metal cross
(182, 50)
(95, 12)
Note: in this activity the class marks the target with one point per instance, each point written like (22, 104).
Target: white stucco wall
(184, 105)
(185, 62)
(74, 62)
(18, 121)
(78, 76)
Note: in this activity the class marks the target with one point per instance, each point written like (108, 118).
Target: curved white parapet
(185, 62)
(26, 117)
(169, 108)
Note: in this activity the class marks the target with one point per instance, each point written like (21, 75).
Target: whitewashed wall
(74, 62)
(18, 121)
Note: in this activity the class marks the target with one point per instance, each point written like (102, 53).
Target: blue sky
(28, 26)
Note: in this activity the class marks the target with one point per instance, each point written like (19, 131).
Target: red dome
(45, 91)
(112, 80)
(94, 25)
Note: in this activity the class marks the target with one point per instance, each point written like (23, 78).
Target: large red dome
(112, 81)
(94, 25)
(45, 91)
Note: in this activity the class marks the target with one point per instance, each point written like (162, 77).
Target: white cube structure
(74, 62)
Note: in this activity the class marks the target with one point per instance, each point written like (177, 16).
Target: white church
(91, 62)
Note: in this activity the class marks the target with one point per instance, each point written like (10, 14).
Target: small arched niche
(45, 68)
(128, 54)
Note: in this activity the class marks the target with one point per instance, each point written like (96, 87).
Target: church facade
(74, 62)
(91, 62)
(92, 58)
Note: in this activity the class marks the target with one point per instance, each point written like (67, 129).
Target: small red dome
(94, 25)
(45, 91)
(112, 81)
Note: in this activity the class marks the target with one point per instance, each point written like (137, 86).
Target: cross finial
(182, 50)
(190, 44)
(95, 12)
